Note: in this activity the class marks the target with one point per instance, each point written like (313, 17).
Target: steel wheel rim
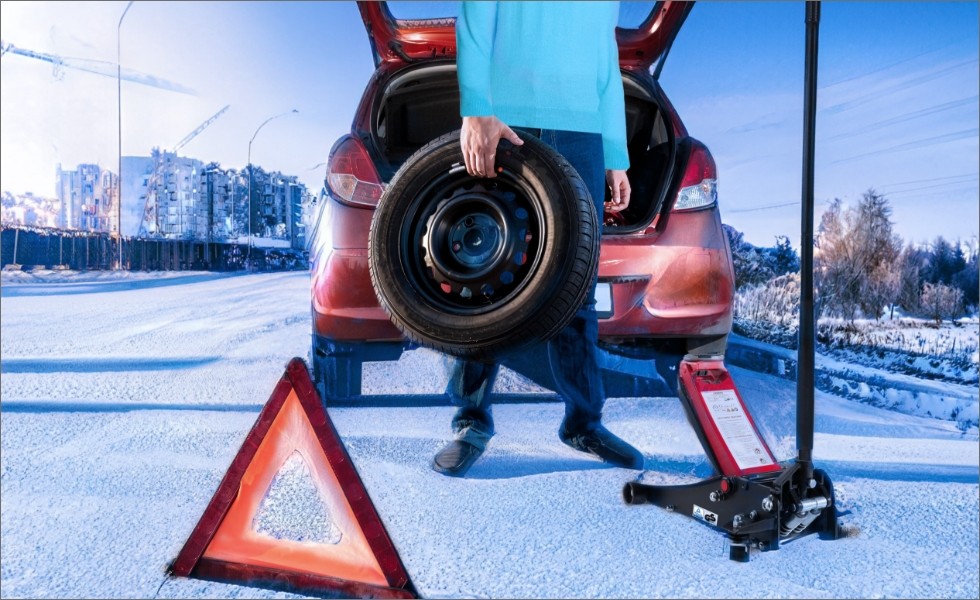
(470, 245)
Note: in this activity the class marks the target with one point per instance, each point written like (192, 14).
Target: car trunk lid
(395, 40)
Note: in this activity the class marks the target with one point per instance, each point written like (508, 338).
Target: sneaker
(604, 444)
(456, 458)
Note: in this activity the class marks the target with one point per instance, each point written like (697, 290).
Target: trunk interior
(422, 104)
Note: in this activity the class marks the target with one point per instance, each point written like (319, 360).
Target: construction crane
(150, 207)
(190, 136)
(98, 67)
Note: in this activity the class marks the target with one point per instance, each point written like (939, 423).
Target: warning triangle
(242, 538)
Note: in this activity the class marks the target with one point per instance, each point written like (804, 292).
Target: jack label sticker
(736, 430)
(705, 515)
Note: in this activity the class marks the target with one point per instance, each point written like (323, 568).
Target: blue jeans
(572, 354)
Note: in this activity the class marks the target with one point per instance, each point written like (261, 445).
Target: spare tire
(475, 267)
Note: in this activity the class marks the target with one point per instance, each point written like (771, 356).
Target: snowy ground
(124, 401)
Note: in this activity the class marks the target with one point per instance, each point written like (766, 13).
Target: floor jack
(755, 500)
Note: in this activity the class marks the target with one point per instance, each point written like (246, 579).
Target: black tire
(474, 267)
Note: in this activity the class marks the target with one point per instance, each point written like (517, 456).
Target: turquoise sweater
(549, 65)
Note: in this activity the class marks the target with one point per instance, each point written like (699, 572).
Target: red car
(665, 270)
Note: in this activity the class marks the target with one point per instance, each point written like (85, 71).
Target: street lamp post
(249, 259)
(119, 130)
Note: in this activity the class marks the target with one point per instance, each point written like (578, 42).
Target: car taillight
(351, 176)
(699, 187)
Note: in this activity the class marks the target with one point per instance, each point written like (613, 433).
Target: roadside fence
(60, 249)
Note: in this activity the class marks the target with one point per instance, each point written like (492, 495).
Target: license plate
(603, 300)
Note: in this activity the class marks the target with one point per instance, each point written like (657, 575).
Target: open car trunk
(422, 103)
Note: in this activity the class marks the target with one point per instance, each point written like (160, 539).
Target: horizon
(897, 105)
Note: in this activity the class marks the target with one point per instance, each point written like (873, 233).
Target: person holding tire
(550, 69)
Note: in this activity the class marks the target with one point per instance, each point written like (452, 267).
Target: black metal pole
(804, 380)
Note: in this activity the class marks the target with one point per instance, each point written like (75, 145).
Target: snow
(125, 398)
(853, 378)
(947, 351)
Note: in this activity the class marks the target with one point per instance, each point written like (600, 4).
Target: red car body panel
(682, 288)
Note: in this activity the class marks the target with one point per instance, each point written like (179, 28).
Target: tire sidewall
(531, 313)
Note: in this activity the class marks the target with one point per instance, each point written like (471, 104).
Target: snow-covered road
(124, 401)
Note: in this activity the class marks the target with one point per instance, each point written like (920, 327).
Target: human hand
(619, 185)
(479, 138)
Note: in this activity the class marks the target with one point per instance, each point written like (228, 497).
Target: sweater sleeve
(612, 107)
(475, 29)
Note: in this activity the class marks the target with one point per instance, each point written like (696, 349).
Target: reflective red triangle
(224, 545)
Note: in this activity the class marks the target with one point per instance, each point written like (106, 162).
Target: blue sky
(898, 107)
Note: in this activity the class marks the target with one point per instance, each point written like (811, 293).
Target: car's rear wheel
(473, 266)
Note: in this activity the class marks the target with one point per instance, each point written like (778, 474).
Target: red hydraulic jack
(755, 500)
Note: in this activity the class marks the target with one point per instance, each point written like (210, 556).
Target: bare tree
(940, 301)
(880, 289)
(856, 255)
(834, 262)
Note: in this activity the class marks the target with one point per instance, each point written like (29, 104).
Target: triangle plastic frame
(293, 398)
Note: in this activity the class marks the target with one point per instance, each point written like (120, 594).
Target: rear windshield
(631, 14)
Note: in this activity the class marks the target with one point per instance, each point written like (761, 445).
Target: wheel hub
(475, 244)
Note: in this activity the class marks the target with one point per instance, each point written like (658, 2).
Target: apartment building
(277, 207)
(87, 198)
(173, 197)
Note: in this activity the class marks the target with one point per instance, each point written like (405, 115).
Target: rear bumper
(673, 292)
(684, 294)
(678, 284)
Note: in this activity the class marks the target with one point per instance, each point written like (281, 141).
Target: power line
(758, 208)
(951, 192)
(930, 187)
(886, 194)
(930, 141)
(896, 87)
(906, 117)
(974, 175)
(879, 69)
(874, 95)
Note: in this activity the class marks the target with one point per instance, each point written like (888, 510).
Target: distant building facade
(173, 197)
(223, 194)
(87, 198)
(183, 198)
(277, 207)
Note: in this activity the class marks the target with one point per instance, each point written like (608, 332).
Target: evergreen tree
(783, 258)
(941, 262)
(967, 279)
(910, 264)
(751, 265)
(880, 284)
(959, 258)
